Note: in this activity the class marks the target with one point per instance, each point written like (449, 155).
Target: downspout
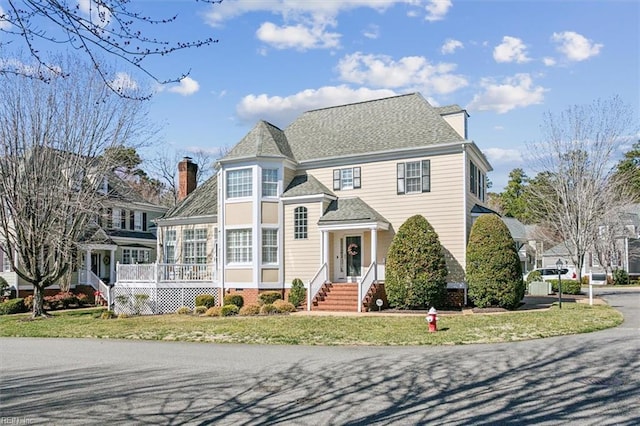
(464, 216)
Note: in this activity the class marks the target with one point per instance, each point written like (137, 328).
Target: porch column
(87, 264)
(325, 253)
(374, 251)
(112, 266)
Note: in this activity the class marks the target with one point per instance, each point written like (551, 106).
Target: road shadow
(506, 384)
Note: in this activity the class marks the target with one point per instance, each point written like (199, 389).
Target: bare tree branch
(53, 139)
(576, 157)
(111, 27)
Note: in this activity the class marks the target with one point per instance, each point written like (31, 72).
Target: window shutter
(144, 221)
(336, 178)
(132, 220)
(400, 178)
(426, 175)
(357, 183)
(109, 223)
(123, 219)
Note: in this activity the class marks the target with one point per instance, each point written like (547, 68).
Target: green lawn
(321, 330)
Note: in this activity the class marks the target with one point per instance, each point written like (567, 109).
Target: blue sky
(506, 62)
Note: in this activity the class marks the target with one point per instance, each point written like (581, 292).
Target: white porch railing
(316, 283)
(365, 284)
(381, 269)
(165, 272)
(89, 278)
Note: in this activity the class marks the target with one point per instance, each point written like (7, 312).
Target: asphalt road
(584, 379)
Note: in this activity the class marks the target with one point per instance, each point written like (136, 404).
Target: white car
(551, 273)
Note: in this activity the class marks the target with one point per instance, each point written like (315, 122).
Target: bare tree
(578, 154)
(94, 27)
(164, 167)
(53, 139)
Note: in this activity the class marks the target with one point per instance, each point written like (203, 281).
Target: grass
(320, 330)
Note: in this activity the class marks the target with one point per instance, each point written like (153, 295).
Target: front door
(95, 265)
(353, 255)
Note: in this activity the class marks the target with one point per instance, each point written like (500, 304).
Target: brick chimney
(187, 171)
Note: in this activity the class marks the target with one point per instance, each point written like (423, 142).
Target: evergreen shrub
(205, 300)
(229, 310)
(297, 294)
(493, 274)
(12, 306)
(268, 297)
(234, 299)
(416, 271)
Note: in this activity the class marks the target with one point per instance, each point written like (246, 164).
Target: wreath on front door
(106, 260)
(352, 249)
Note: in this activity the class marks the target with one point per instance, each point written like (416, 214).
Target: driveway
(583, 379)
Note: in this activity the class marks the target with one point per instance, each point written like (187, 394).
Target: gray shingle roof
(124, 233)
(350, 210)
(264, 140)
(305, 185)
(406, 121)
(449, 109)
(203, 201)
(516, 228)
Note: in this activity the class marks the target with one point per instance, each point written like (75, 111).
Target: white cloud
(372, 32)
(4, 24)
(97, 14)
(187, 86)
(298, 36)
(575, 46)
(450, 46)
(410, 72)
(512, 49)
(498, 128)
(123, 82)
(514, 92)
(503, 156)
(548, 61)
(304, 23)
(282, 110)
(437, 9)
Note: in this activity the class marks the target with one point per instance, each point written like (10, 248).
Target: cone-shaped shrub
(494, 274)
(416, 271)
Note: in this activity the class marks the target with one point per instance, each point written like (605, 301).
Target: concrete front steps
(337, 297)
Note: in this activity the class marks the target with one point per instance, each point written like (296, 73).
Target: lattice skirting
(153, 301)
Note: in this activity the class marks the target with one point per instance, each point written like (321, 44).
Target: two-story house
(323, 199)
(124, 232)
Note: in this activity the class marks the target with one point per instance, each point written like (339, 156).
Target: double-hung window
(239, 183)
(269, 182)
(269, 246)
(477, 181)
(137, 221)
(239, 246)
(170, 246)
(300, 223)
(117, 218)
(5, 262)
(194, 246)
(348, 178)
(413, 177)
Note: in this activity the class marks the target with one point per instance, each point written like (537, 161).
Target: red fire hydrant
(432, 319)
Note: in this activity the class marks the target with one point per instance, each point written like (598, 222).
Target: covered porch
(355, 239)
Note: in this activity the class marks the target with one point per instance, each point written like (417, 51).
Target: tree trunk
(38, 302)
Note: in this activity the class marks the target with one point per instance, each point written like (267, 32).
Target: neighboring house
(124, 232)
(526, 252)
(617, 247)
(323, 199)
